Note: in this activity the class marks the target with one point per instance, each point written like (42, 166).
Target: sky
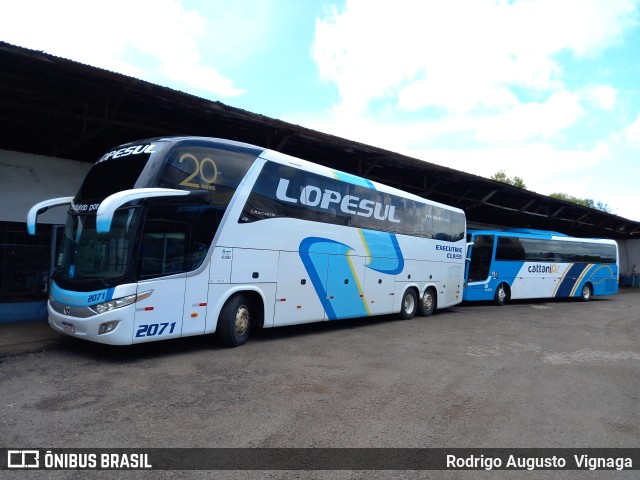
(546, 90)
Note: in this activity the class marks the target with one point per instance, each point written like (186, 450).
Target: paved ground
(530, 374)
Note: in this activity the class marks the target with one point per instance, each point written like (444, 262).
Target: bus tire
(427, 304)
(586, 293)
(236, 317)
(502, 295)
(409, 304)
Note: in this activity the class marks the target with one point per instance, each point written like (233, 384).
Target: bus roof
(531, 233)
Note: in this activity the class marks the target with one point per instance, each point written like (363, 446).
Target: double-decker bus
(172, 237)
(525, 263)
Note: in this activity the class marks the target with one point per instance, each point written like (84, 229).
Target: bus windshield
(155, 238)
(88, 256)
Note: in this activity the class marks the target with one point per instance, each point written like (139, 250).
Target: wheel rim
(586, 292)
(409, 303)
(242, 320)
(427, 302)
(502, 295)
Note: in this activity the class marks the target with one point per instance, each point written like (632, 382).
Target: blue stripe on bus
(570, 278)
(384, 252)
(353, 179)
(80, 299)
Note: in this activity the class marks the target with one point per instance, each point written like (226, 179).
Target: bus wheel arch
(503, 293)
(428, 302)
(587, 292)
(409, 303)
(242, 312)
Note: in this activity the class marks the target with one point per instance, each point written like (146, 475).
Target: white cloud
(522, 124)
(458, 55)
(602, 96)
(528, 121)
(537, 163)
(130, 37)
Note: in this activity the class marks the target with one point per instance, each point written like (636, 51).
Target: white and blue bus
(524, 263)
(181, 236)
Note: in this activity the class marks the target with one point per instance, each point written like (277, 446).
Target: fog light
(107, 327)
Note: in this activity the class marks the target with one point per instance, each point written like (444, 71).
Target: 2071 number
(153, 329)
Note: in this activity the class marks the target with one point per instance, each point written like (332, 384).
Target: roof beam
(488, 196)
(527, 205)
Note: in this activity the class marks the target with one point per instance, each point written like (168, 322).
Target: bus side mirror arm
(109, 205)
(469, 245)
(38, 208)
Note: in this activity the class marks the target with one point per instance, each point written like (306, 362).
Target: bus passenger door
(162, 262)
(159, 316)
(478, 274)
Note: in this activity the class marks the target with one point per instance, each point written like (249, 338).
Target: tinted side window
(283, 191)
(588, 252)
(544, 250)
(509, 248)
(176, 238)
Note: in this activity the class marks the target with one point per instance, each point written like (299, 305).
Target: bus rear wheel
(586, 293)
(236, 317)
(428, 303)
(502, 295)
(409, 304)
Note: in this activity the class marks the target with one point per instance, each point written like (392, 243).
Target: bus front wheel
(235, 321)
(428, 303)
(586, 293)
(502, 295)
(409, 304)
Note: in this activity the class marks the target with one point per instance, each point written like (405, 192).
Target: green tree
(516, 181)
(585, 202)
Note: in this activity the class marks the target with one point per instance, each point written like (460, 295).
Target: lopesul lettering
(312, 196)
(124, 152)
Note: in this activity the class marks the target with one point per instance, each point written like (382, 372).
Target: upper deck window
(283, 191)
(199, 167)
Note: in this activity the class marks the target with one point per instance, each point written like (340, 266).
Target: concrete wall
(26, 179)
(630, 262)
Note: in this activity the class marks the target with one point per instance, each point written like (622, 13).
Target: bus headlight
(107, 327)
(119, 302)
(113, 304)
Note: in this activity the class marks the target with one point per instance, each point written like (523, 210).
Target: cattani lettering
(124, 152)
(312, 196)
(543, 269)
